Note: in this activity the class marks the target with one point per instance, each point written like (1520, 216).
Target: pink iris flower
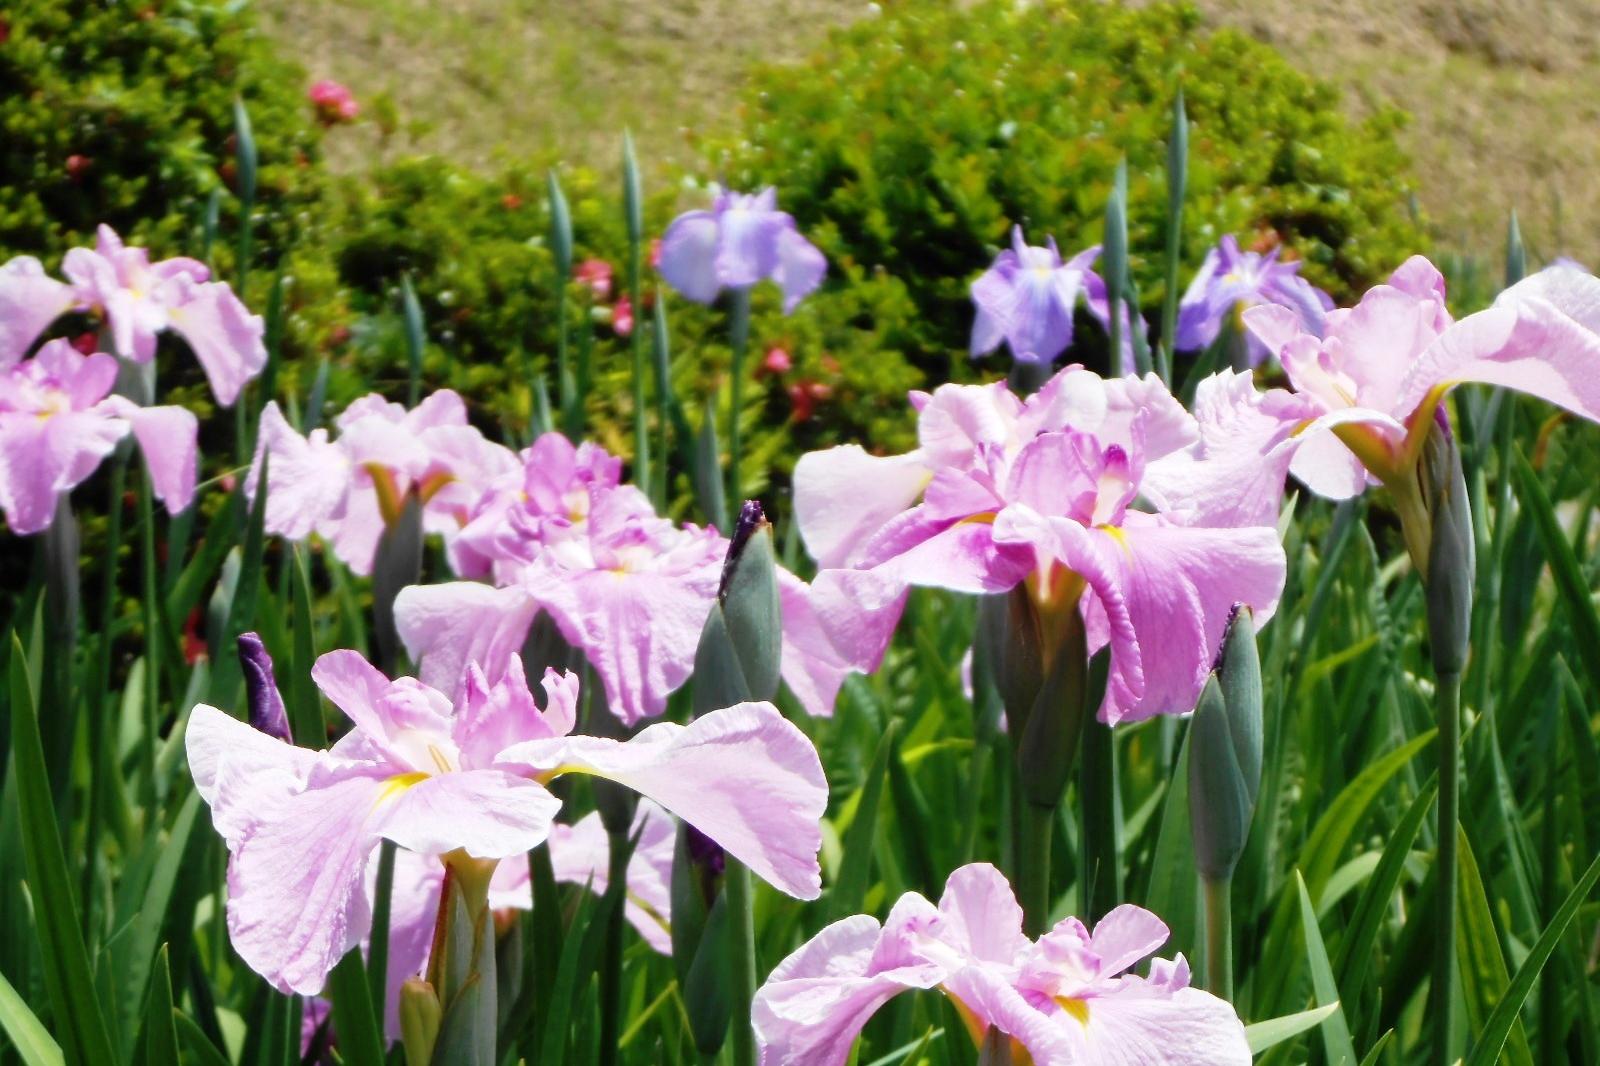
(1066, 999)
(743, 239)
(1372, 382)
(628, 588)
(58, 420)
(140, 299)
(1102, 496)
(349, 489)
(579, 855)
(302, 825)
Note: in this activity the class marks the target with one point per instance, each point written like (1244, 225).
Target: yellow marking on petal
(1116, 534)
(398, 784)
(430, 485)
(390, 503)
(1078, 1008)
(982, 518)
(1422, 421)
(1371, 448)
(544, 777)
(439, 759)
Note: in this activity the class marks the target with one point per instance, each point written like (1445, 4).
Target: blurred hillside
(1504, 94)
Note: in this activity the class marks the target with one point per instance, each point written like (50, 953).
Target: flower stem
(611, 962)
(1219, 938)
(1097, 798)
(1447, 700)
(1033, 865)
(739, 340)
(743, 944)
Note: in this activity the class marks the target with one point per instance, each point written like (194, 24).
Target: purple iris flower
(1027, 298)
(743, 239)
(1231, 280)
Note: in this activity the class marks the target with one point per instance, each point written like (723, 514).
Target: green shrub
(912, 142)
(121, 111)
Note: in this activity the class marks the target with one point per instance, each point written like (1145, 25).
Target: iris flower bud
(261, 688)
(1225, 753)
(1452, 565)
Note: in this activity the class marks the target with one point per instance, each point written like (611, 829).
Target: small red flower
(801, 405)
(194, 645)
(511, 201)
(78, 166)
(622, 316)
(332, 102)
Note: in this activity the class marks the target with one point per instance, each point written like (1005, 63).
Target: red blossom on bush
(333, 103)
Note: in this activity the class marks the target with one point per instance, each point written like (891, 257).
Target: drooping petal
(29, 301)
(239, 771)
(1179, 585)
(743, 776)
(839, 624)
(843, 495)
(991, 1000)
(168, 440)
(446, 626)
(638, 629)
(224, 336)
(800, 268)
(295, 898)
(354, 686)
(1542, 337)
(689, 256)
(490, 814)
(817, 1001)
(747, 241)
(308, 478)
(1135, 1026)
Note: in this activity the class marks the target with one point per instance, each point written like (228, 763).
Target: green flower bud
(1225, 753)
(419, 1021)
(738, 656)
(1452, 564)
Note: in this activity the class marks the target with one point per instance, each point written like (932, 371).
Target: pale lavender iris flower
(58, 421)
(742, 240)
(1231, 280)
(349, 489)
(1066, 999)
(1027, 299)
(139, 300)
(1102, 496)
(435, 778)
(565, 536)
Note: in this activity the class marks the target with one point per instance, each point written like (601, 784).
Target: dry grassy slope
(1505, 94)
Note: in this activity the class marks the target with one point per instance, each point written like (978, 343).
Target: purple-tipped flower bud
(261, 689)
(705, 852)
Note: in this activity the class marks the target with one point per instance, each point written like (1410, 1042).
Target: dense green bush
(121, 111)
(913, 141)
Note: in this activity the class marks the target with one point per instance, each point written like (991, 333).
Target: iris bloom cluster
(438, 777)
(564, 535)
(1064, 999)
(62, 412)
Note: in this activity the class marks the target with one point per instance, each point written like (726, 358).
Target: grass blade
(32, 1041)
(1491, 1039)
(1274, 1031)
(855, 867)
(1335, 1030)
(66, 962)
